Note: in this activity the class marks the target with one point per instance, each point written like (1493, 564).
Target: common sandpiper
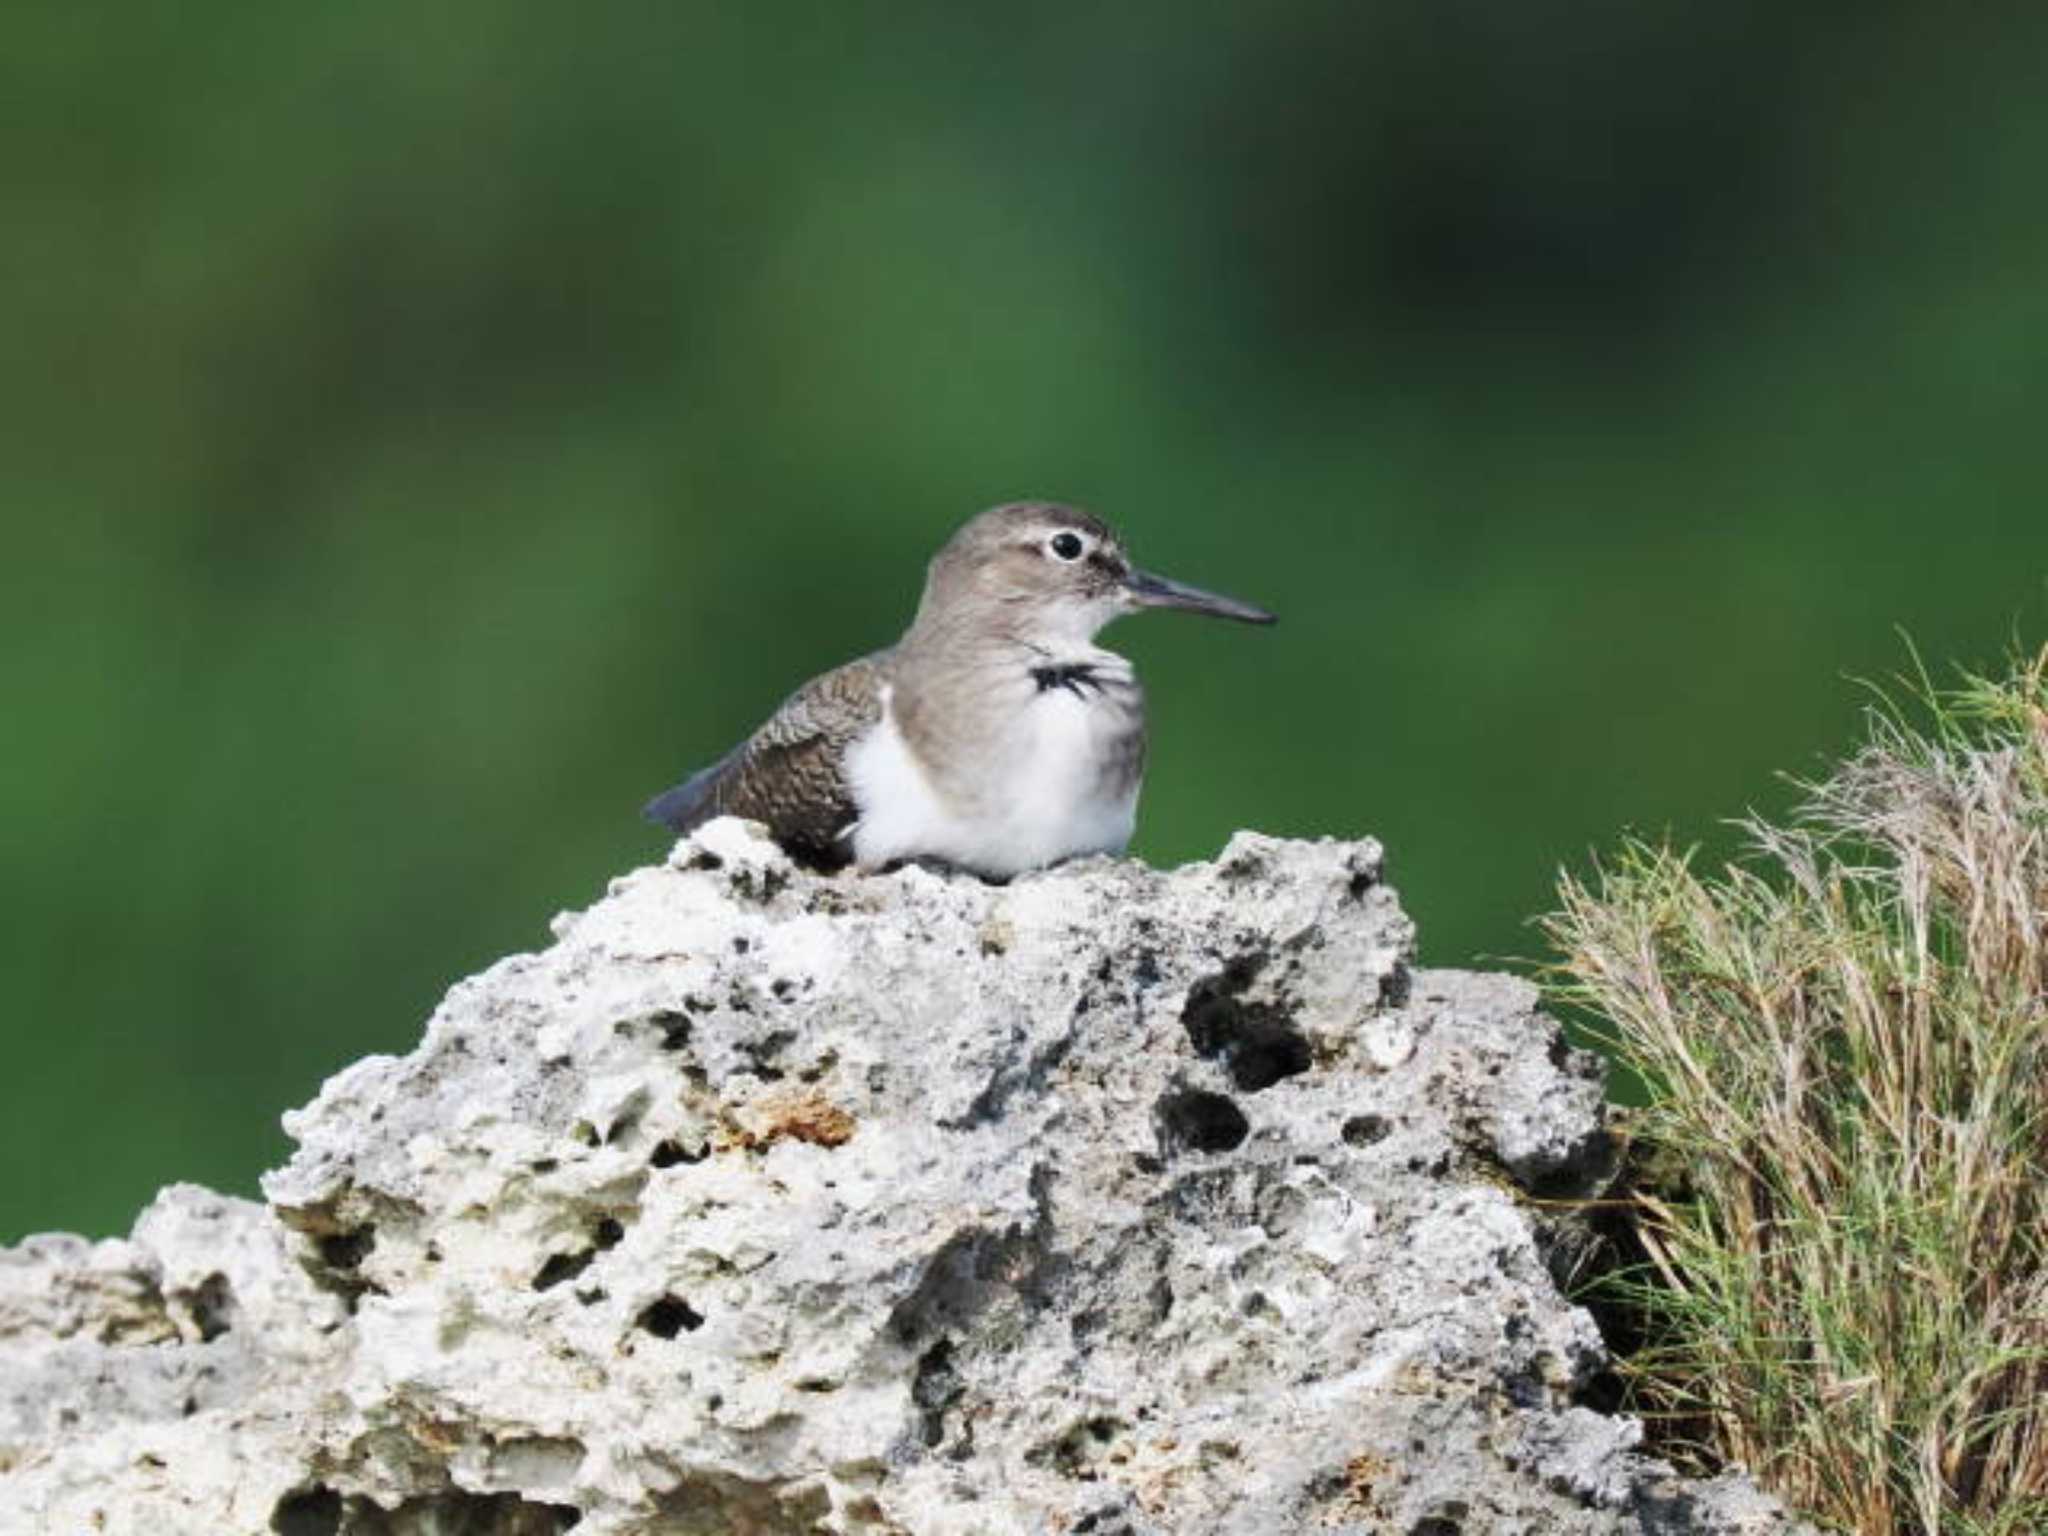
(995, 736)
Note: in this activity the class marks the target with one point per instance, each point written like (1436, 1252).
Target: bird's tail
(691, 803)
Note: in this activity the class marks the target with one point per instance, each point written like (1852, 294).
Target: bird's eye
(1067, 546)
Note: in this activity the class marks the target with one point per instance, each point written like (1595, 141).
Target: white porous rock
(1107, 1201)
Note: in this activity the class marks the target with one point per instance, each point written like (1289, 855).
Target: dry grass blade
(1845, 1042)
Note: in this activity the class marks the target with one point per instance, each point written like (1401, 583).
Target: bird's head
(1052, 574)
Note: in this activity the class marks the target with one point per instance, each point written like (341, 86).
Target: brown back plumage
(789, 774)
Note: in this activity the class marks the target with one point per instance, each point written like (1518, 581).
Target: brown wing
(790, 773)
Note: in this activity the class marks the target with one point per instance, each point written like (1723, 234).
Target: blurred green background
(430, 430)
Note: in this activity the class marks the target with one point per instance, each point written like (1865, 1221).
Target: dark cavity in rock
(934, 1389)
(1196, 1120)
(210, 1304)
(1256, 1041)
(1364, 1130)
(669, 1316)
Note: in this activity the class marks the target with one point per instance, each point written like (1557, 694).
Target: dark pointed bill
(1159, 592)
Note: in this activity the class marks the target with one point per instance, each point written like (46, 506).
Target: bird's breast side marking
(1077, 677)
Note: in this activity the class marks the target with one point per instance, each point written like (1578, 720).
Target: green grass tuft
(1844, 1041)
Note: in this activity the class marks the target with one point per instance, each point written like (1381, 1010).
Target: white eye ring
(1066, 546)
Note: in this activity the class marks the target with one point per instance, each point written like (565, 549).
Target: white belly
(1044, 797)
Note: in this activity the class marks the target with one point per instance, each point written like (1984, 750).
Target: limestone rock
(1108, 1201)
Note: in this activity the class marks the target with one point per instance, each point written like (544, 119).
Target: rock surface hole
(1201, 1121)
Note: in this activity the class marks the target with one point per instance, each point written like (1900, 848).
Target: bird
(994, 737)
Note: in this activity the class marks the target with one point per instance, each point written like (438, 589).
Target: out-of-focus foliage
(430, 430)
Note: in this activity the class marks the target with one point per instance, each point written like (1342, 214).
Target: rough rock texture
(1108, 1201)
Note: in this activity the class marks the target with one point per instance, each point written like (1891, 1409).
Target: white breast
(1044, 796)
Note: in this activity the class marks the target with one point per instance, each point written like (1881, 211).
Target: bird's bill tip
(1150, 591)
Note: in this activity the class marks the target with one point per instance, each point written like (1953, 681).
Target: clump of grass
(1844, 1040)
